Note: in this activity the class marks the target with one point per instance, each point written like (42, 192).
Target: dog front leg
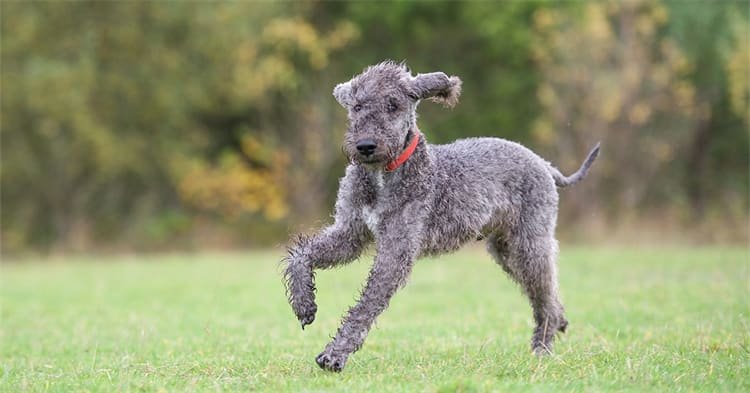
(393, 264)
(340, 243)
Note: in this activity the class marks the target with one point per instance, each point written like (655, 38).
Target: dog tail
(563, 181)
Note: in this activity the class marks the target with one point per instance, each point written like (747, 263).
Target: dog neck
(412, 179)
(417, 163)
(410, 144)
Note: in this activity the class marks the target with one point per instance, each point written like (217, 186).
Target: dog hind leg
(532, 264)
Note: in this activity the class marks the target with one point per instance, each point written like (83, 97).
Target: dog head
(382, 103)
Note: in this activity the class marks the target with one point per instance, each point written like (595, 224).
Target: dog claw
(306, 321)
(305, 314)
(330, 362)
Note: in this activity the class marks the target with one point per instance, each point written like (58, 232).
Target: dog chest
(370, 216)
(369, 212)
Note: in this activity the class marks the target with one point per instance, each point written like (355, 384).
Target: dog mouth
(378, 157)
(370, 160)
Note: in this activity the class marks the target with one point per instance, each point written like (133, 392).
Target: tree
(119, 117)
(610, 74)
(714, 38)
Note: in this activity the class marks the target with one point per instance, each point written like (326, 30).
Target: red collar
(393, 165)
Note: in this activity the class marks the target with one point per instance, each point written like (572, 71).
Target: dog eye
(392, 107)
(357, 108)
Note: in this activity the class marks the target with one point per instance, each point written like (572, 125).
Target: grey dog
(415, 199)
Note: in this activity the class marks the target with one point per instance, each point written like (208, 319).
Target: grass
(666, 319)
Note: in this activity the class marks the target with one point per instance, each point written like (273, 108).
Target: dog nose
(366, 146)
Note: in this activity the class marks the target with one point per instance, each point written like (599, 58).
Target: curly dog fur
(442, 197)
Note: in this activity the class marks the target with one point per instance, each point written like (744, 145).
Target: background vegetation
(153, 125)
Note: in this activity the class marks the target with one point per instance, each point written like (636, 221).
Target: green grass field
(668, 319)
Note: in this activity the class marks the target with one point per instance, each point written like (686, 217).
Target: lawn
(654, 319)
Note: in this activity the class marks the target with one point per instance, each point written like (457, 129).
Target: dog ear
(342, 92)
(438, 87)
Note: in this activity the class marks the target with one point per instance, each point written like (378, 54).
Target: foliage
(125, 119)
(113, 112)
(672, 319)
(714, 38)
(737, 64)
(639, 97)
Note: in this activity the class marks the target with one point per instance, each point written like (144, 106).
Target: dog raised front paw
(304, 308)
(305, 312)
(301, 291)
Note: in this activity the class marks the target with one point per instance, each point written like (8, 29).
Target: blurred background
(150, 126)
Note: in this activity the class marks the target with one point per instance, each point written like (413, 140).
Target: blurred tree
(263, 113)
(612, 72)
(715, 39)
(146, 122)
(80, 102)
(117, 114)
